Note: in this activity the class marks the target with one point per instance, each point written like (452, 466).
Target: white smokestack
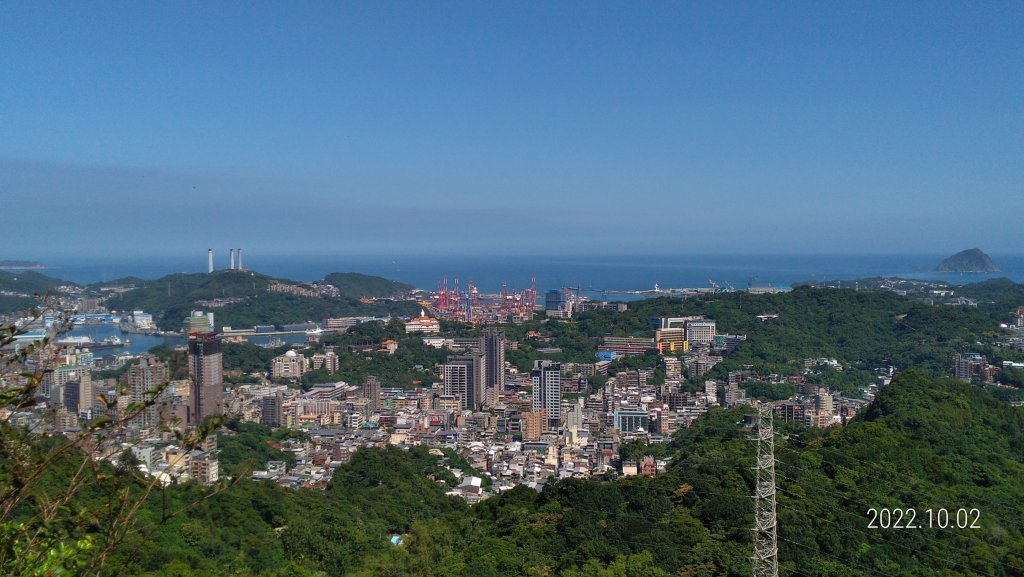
(240, 260)
(209, 257)
(232, 265)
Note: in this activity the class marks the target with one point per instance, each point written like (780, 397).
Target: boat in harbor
(274, 343)
(89, 343)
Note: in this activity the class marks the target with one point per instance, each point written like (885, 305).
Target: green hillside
(26, 286)
(28, 282)
(862, 329)
(249, 300)
(358, 285)
(997, 297)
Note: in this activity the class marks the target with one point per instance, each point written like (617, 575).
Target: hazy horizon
(490, 272)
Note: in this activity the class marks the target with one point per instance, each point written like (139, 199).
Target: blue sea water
(138, 343)
(594, 272)
(141, 343)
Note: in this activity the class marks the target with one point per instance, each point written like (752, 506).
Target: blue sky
(440, 127)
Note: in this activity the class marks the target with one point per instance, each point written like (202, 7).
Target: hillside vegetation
(170, 299)
(358, 285)
(27, 288)
(862, 329)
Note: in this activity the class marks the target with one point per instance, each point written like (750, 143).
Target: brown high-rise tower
(206, 373)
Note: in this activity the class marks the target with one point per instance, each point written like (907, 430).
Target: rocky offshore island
(971, 260)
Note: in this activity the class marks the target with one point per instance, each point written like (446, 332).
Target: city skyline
(377, 129)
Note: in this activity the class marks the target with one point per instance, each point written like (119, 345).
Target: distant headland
(971, 260)
(20, 265)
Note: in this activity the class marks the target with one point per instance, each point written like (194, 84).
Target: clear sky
(513, 127)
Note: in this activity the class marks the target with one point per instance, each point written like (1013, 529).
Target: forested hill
(863, 329)
(20, 291)
(999, 297)
(358, 285)
(924, 444)
(245, 299)
(28, 282)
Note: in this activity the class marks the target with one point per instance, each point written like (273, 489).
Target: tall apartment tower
(547, 390)
(71, 397)
(270, 405)
(493, 346)
(464, 377)
(148, 374)
(371, 391)
(206, 373)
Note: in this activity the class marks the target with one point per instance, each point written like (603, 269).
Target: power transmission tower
(765, 562)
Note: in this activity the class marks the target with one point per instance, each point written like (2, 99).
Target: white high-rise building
(547, 390)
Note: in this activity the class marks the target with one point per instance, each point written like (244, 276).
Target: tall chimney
(209, 257)
(232, 265)
(240, 260)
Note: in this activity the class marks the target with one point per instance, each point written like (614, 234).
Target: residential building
(204, 467)
(969, 367)
(371, 392)
(206, 375)
(271, 409)
(534, 423)
(464, 378)
(823, 401)
(144, 378)
(790, 412)
(493, 343)
(648, 466)
(547, 390)
(327, 360)
(731, 395)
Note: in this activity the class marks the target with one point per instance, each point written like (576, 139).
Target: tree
(64, 507)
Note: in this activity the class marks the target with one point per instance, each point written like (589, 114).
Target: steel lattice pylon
(765, 562)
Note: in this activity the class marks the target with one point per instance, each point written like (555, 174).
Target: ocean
(589, 272)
